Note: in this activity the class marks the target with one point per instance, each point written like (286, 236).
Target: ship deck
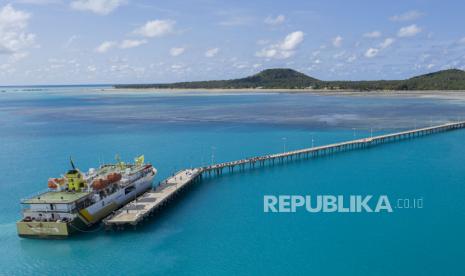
(56, 197)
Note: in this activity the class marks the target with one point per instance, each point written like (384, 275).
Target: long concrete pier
(139, 209)
(331, 148)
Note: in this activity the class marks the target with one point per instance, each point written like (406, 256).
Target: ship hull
(86, 218)
(101, 209)
(50, 229)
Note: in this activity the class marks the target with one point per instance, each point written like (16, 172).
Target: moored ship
(79, 200)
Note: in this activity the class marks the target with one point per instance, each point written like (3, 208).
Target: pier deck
(331, 148)
(135, 211)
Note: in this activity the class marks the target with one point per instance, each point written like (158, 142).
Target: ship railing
(109, 165)
(34, 195)
(27, 209)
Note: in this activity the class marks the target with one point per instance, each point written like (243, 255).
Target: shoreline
(443, 94)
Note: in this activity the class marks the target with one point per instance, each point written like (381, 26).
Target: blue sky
(128, 41)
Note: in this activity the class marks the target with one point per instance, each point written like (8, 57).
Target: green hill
(270, 78)
(452, 79)
(282, 78)
(277, 78)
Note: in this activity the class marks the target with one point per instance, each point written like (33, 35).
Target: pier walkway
(138, 209)
(145, 204)
(331, 148)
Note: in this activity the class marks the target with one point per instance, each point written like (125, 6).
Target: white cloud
(119, 67)
(267, 53)
(11, 18)
(129, 43)
(373, 34)
(410, 15)
(101, 7)
(337, 41)
(386, 43)
(339, 55)
(180, 68)
(285, 48)
(105, 46)
(176, 51)
(177, 66)
(462, 40)
(118, 60)
(156, 28)
(14, 38)
(237, 21)
(70, 41)
(125, 44)
(276, 20)
(371, 52)
(56, 60)
(286, 54)
(212, 52)
(351, 58)
(5, 66)
(240, 65)
(91, 68)
(292, 40)
(18, 56)
(409, 31)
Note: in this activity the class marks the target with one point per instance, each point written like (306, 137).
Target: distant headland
(284, 78)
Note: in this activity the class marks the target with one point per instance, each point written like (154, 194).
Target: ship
(78, 201)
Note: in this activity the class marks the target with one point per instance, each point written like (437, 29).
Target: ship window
(129, 189)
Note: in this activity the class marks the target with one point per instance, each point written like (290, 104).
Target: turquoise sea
(218, 227)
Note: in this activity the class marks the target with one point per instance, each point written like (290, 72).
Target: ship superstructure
(79, 200)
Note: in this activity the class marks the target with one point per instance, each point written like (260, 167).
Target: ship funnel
(74, 178)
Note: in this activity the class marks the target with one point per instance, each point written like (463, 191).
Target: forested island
(283, 78)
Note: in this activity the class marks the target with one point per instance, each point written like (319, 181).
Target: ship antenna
(117, 158)
(72, 163)
(119, 163)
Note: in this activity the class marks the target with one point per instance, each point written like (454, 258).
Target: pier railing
(331, 148)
